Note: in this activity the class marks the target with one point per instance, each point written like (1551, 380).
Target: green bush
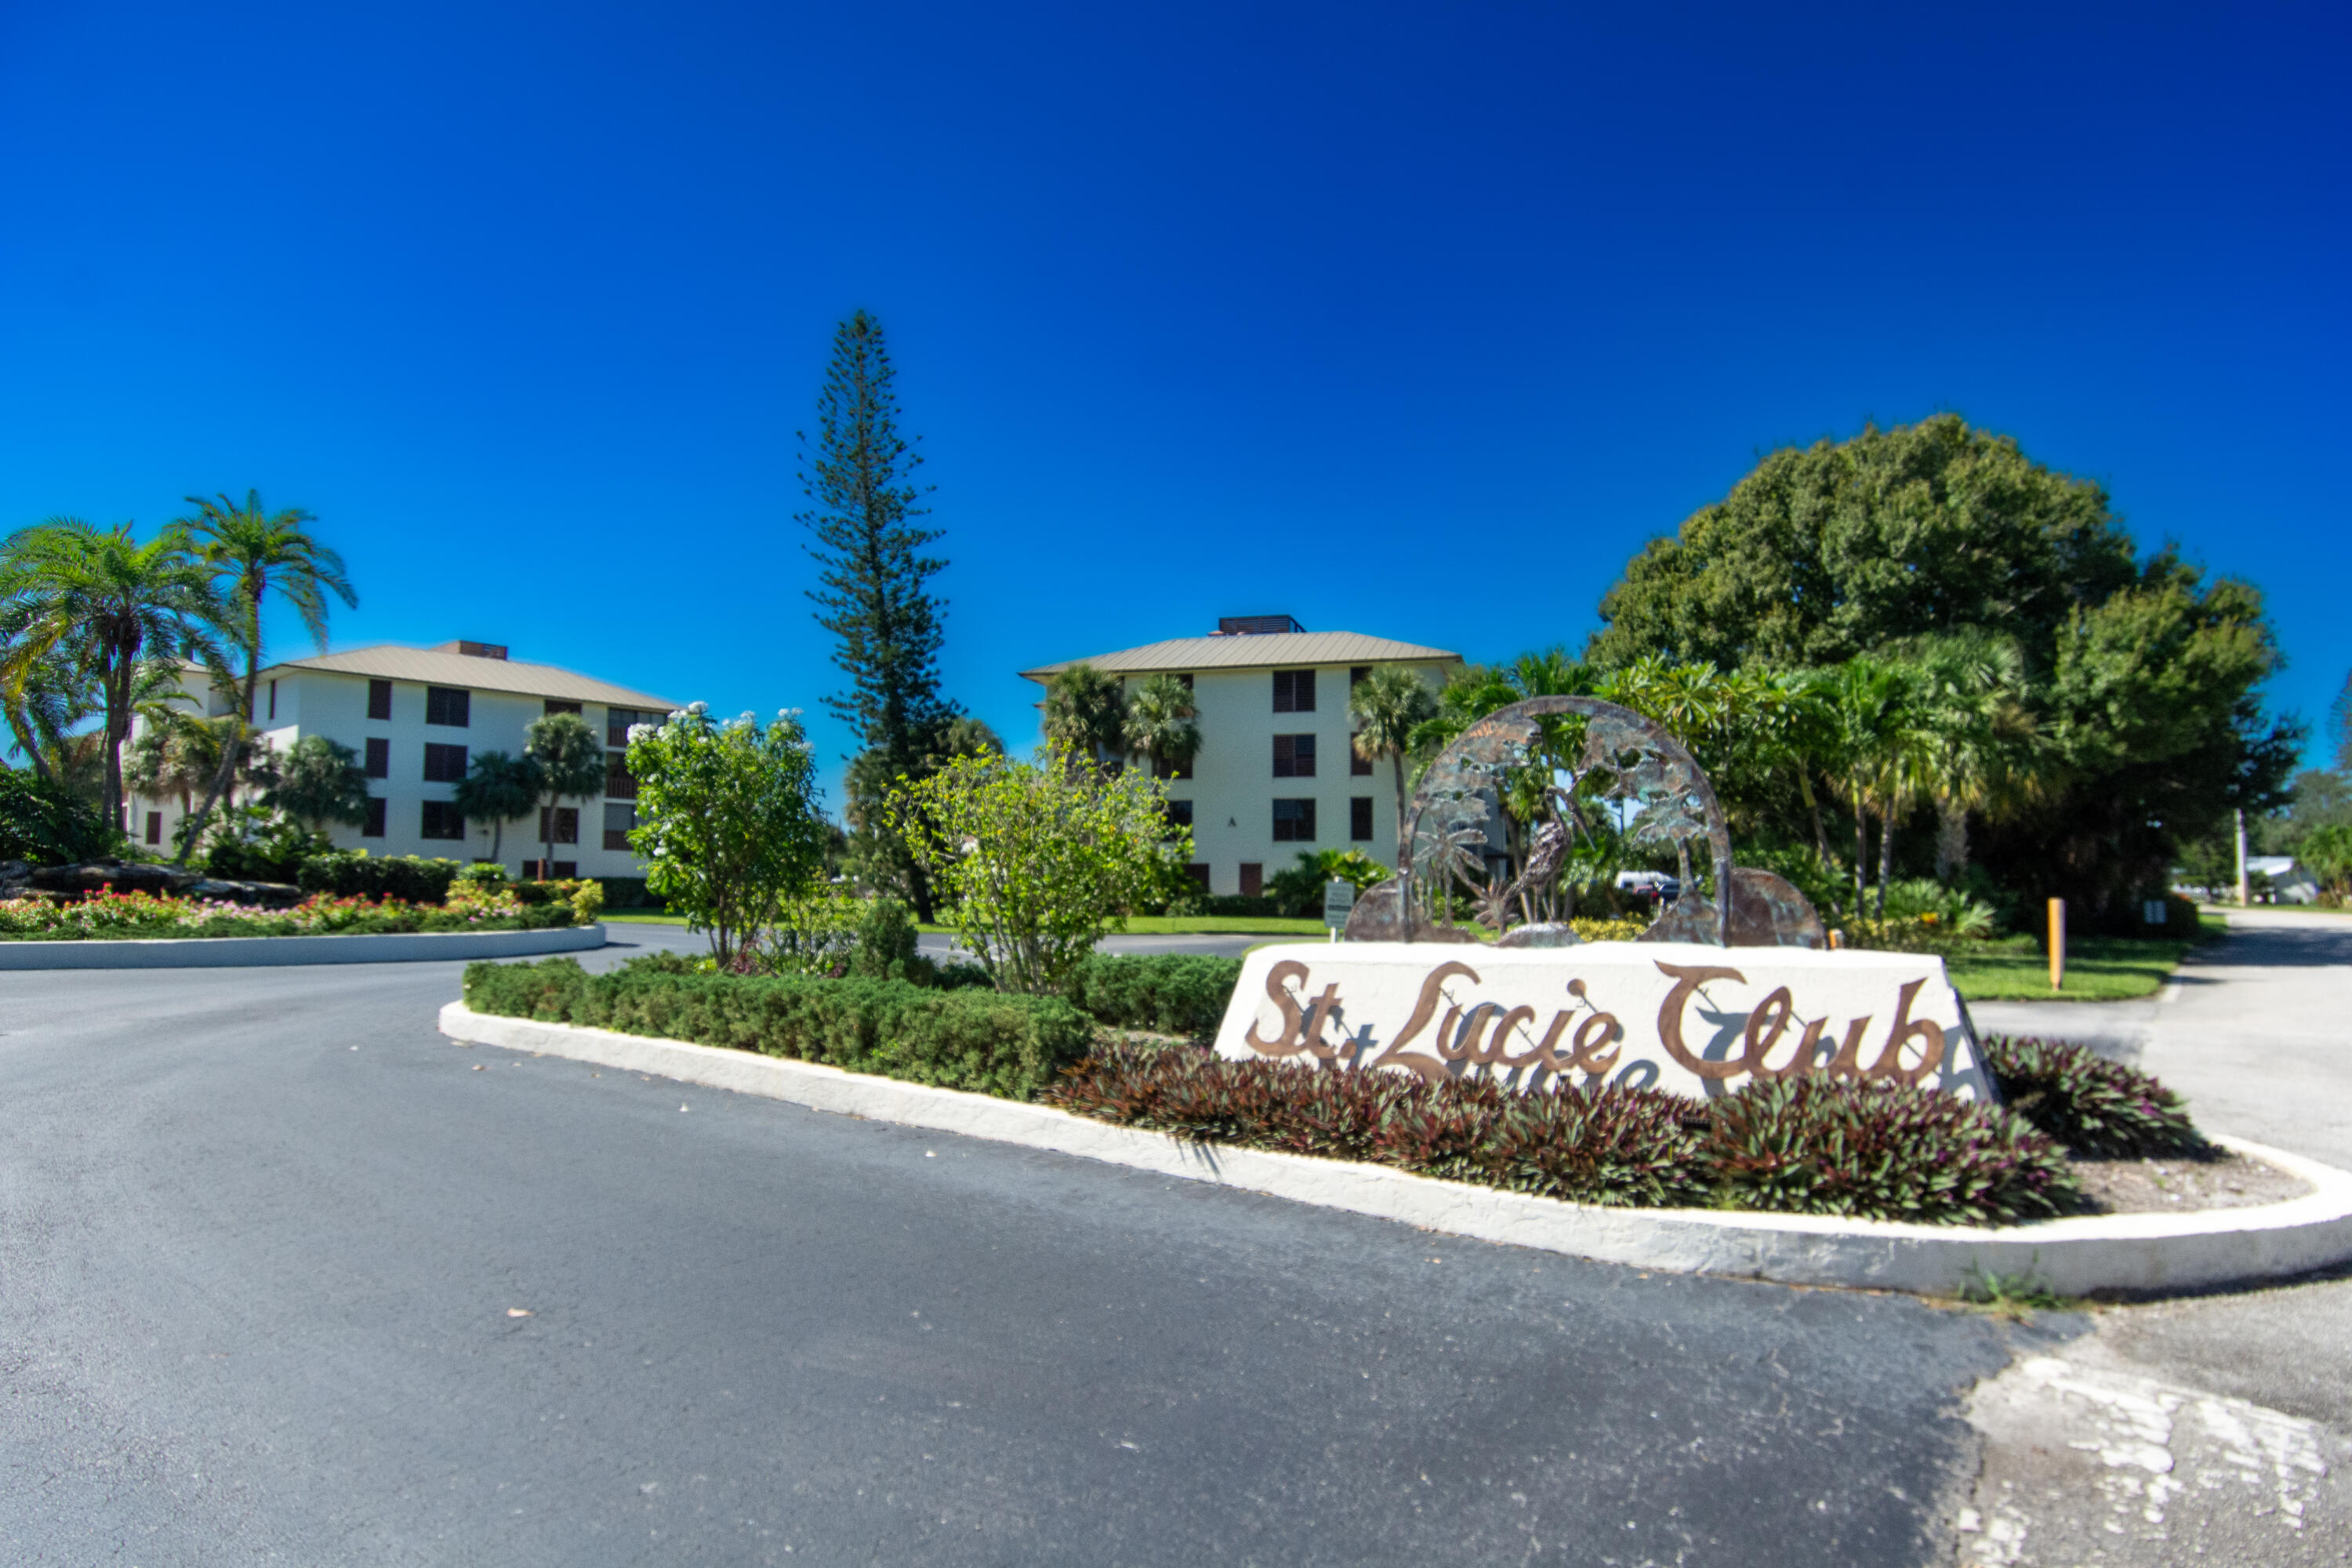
(275, 854)
(356, 874)
(1241, 904)
(885, 944)
(969, 1039)
(40, 823)
(2096, 1107)
(1172, 994)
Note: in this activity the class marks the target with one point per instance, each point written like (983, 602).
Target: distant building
(416, 718)
(2289, 883)
(1276, 773)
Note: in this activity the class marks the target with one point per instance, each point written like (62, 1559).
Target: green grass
(2098, 969)
(643, 917)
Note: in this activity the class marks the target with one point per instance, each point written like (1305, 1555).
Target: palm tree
(1386, 708)
(319, 781)
(101, 598)
(1980, 739)
(1162, 725)
(569, 758)
(497, 789)
(43, 700)
(1085, 714)
(251, 551)
(1881, 745)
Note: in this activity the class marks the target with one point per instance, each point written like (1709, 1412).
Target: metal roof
(1264, 650)
(435, 667)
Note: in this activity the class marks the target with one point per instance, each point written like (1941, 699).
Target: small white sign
(2153, 911)
(1338, 898)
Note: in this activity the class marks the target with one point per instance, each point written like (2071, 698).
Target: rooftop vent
(474, 649)
(1254, 626)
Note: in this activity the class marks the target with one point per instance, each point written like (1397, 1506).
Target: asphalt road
(263, 1236)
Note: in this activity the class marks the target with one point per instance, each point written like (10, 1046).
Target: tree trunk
(1951, 840)
(1886, 854)
(1813, 804)
(1861, 850)
(242, 720)
(1404, 850)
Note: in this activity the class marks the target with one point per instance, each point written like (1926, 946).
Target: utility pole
(2243, 897)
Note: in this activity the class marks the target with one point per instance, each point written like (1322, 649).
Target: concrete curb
(253, 951)
(2154, 1252)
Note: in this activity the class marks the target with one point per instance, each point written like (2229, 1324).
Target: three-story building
(1277, 771)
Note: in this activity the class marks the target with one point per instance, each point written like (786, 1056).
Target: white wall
(1233, 788)
(328, 703)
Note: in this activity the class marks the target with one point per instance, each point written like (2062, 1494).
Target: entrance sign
(1691, 1018)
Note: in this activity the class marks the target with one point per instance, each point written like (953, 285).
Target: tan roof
(1263, 651)
(436, 667)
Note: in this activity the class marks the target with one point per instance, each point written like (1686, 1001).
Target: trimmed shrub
(356, 874)
(2096, 1107)
(969, 1039)
(1170, 993)
(1877, 1151)
(1251, 904)
(41, 824)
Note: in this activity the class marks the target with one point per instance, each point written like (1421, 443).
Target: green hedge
(978, 1040)
(352, 873)
(1173, 994)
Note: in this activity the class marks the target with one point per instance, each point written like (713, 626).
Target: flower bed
(110, 915)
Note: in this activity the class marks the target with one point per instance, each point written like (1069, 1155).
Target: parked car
(1656, 884)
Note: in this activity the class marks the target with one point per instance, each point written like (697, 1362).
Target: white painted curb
(2151, 1252)
(251, 951)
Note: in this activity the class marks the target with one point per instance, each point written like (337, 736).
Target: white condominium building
(416, 718)
(1276, 771)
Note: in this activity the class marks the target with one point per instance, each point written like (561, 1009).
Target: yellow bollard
(2057, 944)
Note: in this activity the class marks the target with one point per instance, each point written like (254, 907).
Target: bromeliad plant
(2096, 1107)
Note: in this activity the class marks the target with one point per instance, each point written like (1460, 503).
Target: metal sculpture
(1656, 792)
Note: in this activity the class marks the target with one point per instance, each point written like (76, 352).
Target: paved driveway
(265, 1237)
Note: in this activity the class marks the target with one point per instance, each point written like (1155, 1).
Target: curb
(257, 952)
(2152, 1252)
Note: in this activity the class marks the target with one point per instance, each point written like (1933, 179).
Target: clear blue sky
(1413, 321)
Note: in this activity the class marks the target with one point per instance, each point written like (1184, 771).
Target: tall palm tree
(1387, 707)
(99, 596)
(1162, 724)
(1981, 744)
(1879, 743)
(43, 700)
(251, 551)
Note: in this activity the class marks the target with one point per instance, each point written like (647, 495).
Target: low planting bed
(148, 917)
(2075, 1135)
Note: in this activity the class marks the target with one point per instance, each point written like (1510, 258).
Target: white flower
(697, 709)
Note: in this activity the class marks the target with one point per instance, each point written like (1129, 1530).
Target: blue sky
(1413, 322)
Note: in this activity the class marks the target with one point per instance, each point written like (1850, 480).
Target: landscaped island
(1121, 1045)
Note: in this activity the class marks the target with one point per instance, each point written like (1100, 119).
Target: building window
(443, 765)
(379, 757)
(566, 823)
(554, 706)
(1359, 766)
(1199, 871)
(1294, 756)
(1252, 880)
(380, 700)
(618, 820)
(442, 820)
(373, 827)
(1360, 819)
(1294, 691)
(273, 701)
(1294, 822)
(154, 827)
(556, 869)
(1179, 814)
(618, 720)
(444, 705)
(1356, 673)
(619, 785)
(1182, 769)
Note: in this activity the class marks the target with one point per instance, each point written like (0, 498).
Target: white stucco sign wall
(1690, 1019)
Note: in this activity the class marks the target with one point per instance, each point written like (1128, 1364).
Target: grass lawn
(2098, 968)
(646, 917)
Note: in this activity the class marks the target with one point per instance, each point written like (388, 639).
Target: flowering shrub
(109, 914)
